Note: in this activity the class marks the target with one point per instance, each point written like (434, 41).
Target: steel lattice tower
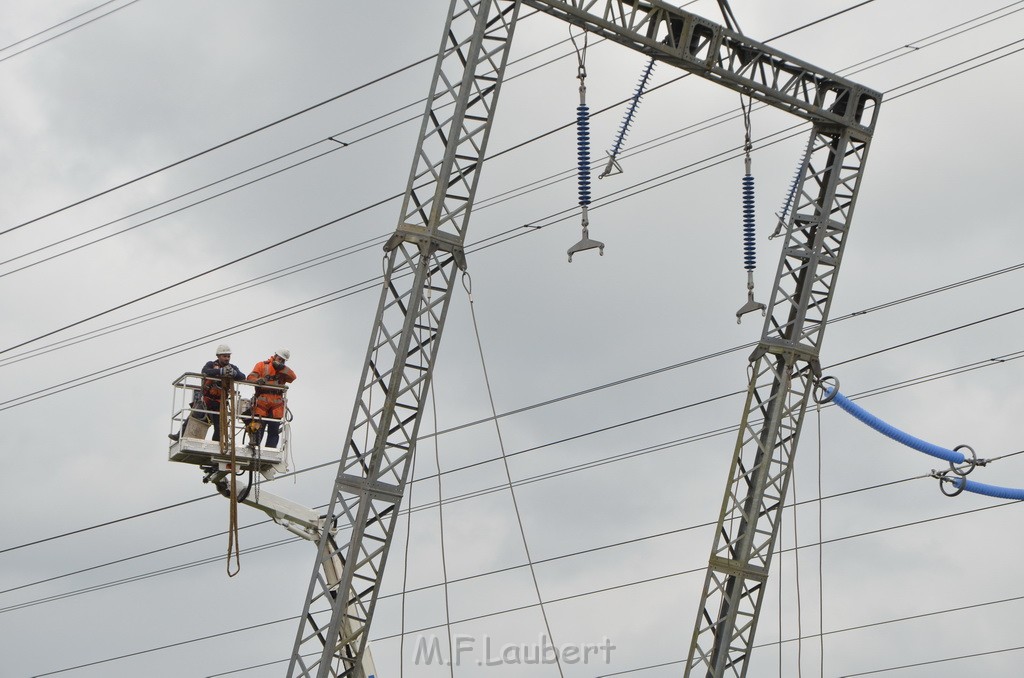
(426, 250)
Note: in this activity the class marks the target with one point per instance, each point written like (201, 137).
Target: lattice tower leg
(425, 253)
(783, 369)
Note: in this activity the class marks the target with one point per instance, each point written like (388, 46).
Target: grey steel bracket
(428, 242)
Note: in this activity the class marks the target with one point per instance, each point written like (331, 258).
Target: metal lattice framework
(427, 248)
(784, 368)
(424, 256)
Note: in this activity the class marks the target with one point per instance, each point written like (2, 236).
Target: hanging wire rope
(56, 25)
(617, 457)
(467, 283)
(821, 564)
(441, 540)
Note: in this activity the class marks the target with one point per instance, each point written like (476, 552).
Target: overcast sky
(109, 552)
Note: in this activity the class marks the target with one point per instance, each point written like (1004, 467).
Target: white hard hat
(223, 348)
(284, 353)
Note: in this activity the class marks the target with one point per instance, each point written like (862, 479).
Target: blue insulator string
(627, 121)
(583, 152)
(749, 243)
(749, 246)
(787, 206)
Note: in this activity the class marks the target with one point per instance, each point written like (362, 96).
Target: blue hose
(899, 436)
(988, 490)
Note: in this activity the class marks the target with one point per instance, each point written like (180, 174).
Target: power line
(936, 661)
(583, 594)
(217, 146)
(548, 475)
(54, 37)
(232, 140)
(205, 298)
(649, 373)
(603, 202)
(336, 146)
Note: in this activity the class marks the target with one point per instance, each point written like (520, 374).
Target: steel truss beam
(424, 255)
(716, 53)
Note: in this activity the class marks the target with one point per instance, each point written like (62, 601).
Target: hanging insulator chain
(583, 154)
(749, 230)
(613, 167)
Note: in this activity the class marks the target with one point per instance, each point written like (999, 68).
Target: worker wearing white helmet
(206, 406)
(270, 403)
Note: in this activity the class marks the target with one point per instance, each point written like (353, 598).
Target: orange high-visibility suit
(270, 402)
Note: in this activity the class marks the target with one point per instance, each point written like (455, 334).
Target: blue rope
(583, 152)
(892, 432)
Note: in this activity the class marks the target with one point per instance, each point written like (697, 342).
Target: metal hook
(751, 305)
(585, 243)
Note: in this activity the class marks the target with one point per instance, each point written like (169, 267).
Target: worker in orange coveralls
(270, 402)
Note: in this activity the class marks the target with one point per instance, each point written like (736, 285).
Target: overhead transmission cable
(201, 299)
(951, 286)
(604, 203)
(54, 37)
(215, 147)
(261, 128)
(337, 146)
(106, 373)
(56, 25)
(583, 465)
(199, 154)
(587, 593)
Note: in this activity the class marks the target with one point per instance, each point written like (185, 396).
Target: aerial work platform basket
(192, 421)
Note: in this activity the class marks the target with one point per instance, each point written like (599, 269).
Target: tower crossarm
(423, 257)
(714, 52)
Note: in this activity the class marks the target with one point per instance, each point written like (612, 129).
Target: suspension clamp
(943, 479)
(825, 390)
(959, 471)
